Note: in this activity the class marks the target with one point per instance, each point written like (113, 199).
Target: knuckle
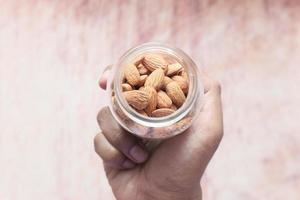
(99, 117)
(106, 152)
(113, 157)
(97, 140)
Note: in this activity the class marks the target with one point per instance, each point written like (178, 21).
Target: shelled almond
(182, 82)
(154, 85)
(132, 75)
(162, 112)
(152, 99)
(163, 100)
(175, 93)
(153, 62)
(126, 87)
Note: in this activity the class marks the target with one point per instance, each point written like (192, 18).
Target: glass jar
(149, 127)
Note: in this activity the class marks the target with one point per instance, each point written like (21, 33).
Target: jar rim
(193, 93)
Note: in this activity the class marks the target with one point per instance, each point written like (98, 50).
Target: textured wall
(52, 53)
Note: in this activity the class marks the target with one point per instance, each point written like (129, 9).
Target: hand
(173, 171)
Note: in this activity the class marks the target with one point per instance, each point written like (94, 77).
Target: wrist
(193, 194)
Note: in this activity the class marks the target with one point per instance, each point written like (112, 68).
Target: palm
(175, 168)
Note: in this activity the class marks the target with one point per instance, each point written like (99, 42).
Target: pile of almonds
(155, 86)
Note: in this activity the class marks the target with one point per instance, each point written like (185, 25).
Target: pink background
(51, 56)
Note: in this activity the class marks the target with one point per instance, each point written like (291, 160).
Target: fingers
(212, 109)
(213, 105)
(114, 145)
(192, 151)
(211, 116)
(124, 142)
(209, 84)
(110, 155)
(103, 79)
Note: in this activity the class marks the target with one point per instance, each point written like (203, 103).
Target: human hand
(174, 169)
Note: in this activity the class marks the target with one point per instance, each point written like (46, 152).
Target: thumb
(189, 153)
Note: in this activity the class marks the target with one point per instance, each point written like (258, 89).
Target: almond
(184, 75)
(163, 100)
(132, 74)
(137, 99)
(155, 85)
(126, 87)
(142, 80)
(155, 79)
(182, 83)
(138, 60)
(142, 69)
(175, 93)
(153, 62)
(162, 112)
(152, 99)
(142, 112)
(174, 69)
(166, 81)
(173, 107)
(141, 88)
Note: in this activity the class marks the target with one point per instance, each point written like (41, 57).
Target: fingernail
(103, 82)
(128, 164)
(103, 79)
(138, 154)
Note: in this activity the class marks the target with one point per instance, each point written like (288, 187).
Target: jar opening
(182, 58)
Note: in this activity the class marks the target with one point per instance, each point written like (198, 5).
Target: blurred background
(53, 52)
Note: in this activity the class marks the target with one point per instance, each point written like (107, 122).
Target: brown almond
(126, 87)
(155, 79)
(142, 112)
(138, 60)
(166, 81)
(132, 74)
(152, 99)
(175, 93)
(142, 69)
(163, 100)
(137, 99)
(162, 112)
(153, 62)
(184, 75)
(173, 107)
(182, 83)
(142, 80)
(141, 88)
(174, 69)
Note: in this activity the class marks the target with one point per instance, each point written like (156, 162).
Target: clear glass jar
(149, 127)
